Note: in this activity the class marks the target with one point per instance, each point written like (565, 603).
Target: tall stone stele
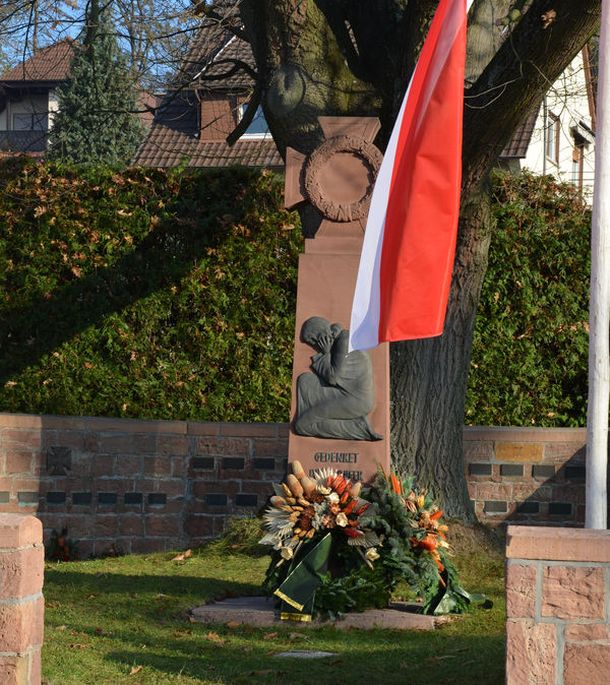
(340, 399)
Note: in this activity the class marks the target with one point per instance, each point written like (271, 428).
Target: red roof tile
(518, 144)
(175, 134)
(47, 64)
(234, 51)
(167, 147)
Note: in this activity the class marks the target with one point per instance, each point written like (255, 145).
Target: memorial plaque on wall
(340, 399)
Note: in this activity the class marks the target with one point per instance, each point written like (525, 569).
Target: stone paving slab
(259, 611)
(304, 654)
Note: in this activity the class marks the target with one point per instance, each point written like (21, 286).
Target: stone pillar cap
(19, 530)
(558, 544)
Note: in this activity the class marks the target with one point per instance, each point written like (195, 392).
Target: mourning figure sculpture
(335, 397)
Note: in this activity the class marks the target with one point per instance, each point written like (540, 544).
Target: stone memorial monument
(340, 399)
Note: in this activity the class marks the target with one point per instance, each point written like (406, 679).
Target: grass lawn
(125, 620)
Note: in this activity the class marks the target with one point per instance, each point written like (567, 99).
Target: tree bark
(306, 67)
(428, 377)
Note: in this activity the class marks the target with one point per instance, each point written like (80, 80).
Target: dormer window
(258, 129)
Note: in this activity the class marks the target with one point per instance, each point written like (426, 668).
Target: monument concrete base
(259, 612)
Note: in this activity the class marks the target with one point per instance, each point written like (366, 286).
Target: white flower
(341, 520)
(287, 553)
(277, 522)
(372, 554)
(322, 475)
(333, 498)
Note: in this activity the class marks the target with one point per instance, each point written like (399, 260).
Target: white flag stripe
(364, 324)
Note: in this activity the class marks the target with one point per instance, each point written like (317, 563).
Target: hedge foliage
(172, 295)
(145, 293)
(529, 359)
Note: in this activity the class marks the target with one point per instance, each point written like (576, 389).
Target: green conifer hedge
(145, 294)
(529, 358)
(171, 295)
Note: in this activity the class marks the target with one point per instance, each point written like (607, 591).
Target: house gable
(205, 106)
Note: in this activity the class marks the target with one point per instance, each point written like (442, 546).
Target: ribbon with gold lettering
(299, 588)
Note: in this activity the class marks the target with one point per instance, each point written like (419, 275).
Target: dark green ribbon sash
(301, 583)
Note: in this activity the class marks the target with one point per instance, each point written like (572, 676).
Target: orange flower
(396, 486)
(350, 507)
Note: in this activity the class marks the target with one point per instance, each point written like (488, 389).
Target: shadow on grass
(191, 587)
(389, 657)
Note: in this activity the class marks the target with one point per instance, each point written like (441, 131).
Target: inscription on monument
(354, 476)
(336, 457)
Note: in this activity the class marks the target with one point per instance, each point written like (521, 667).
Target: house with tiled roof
(205, 104)
(558, 136)
(29, 99)
(192, 125)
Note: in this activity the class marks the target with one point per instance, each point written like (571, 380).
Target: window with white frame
(258, 126)
(552, 137)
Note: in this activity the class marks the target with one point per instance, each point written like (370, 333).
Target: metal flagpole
(599, 306)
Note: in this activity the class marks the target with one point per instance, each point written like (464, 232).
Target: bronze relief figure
(335, 397)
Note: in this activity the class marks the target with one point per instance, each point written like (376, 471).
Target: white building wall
(53, 106)
(567, 100)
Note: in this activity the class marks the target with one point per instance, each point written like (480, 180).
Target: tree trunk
(303, 69)
(429, 377)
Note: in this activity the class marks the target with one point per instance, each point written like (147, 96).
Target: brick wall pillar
(21, 601)
(557, 606)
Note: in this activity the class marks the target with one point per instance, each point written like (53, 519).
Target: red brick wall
(557, 606)
(526, 475)
(136, 486)
(21, 602)
(133, 486)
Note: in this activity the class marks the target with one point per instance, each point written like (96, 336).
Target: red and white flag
(409, 245)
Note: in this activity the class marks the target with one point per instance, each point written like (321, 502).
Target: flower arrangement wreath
(341, 547)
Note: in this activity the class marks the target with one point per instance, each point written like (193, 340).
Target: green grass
(125, 620)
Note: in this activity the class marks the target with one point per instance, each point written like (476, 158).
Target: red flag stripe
(423, 208)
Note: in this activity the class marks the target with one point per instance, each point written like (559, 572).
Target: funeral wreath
(339, 547)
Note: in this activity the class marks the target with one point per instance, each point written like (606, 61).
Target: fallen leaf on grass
(215, 637)
(233, 624)
(61, 628)
(271, 636)
(183, 556)
(183, 633)
(77, 645)
(135, 669)
(160, 595)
